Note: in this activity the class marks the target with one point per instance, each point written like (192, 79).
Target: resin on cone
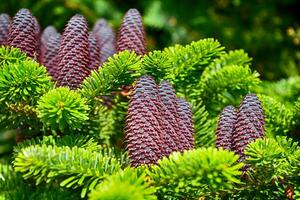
(225, 128)
(249, 125)
(4, 26)
(105, 37)
(73, 55)
(24, 33)
(131, 35)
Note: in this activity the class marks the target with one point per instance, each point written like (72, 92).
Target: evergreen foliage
(71, 167)
(22, 83)
(125, 185)
(62, 109)
(161, 108)
(279, 118)
(196, 173)
(121, 69)
(11, 55)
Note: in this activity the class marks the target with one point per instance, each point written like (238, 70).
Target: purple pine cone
(51, 54)
(170, 113)
(73, 55)
(95, 57)
(105, 38)
(186, 122)
(48, 32)
(143, 131)
(157, 123)
(24, 33)
(250, 124)
(4, 28)
(131, 34)
(225, 128)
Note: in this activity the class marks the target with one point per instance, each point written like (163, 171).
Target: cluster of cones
(237, 128)
(71, 57)
(158, 123)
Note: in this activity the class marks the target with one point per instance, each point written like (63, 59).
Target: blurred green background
(268, 30)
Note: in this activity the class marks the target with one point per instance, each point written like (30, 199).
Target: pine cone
(4, 26)
(186, 122)
(24, 33)
(249, 125)
(143, 130)
(131, 34)
(48, 32)
(225, 128)
(51, 54)
(95, 56)
(157, 122)
(170, 113)
(73, 55)
(105, 38)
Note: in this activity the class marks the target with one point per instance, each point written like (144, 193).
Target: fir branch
(21, 85)
(274, 164)
(11, 55)
(297, 112)
(111, 122)
(286, 90)
(224, 86)
(188, 62)
(121, 69)
(196, 173)
(23, 82)
(125, 185)
(279, 118)
(67, 140)
(72, 167)
(157, 64)
(203, 125)
(63, 109)
(13, 187)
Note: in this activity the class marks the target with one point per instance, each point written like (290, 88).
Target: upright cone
(48, 32)
(225, 128)
(24, 33)
(4, 28)
(249, 125)
(186, 122)
(95, 56)
(73, 55)
(105, 37)
(131, 34)
(157, 122)
(143, 130)
(51, 54)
